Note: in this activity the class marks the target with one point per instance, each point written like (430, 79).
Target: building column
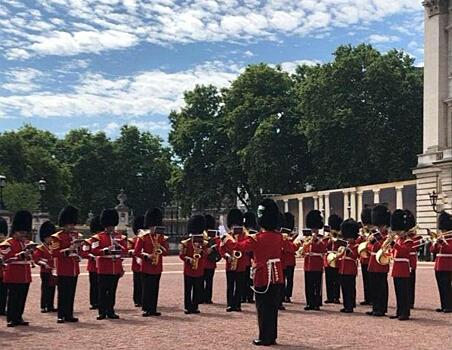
(321, 207)
(327, 206)
(286, 205)
(353, 204)
(376, 196)
(300, 214)
(316, 202)
(399, 197)
(345, 205)
(360, 204)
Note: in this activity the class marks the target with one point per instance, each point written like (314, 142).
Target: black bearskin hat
(22, 221)
(249, 220)
(109, 217)
(366, 216)
(349, 229)
(335, 221)
(95, 225)
(398, 220)
(381, 216)
(210, 222)
(410, 220)
(289, 220)
(46, 230)
(281, 220)
(153, 217)
(138, 224)
(68, 215)
(314, 220)
(267, 215)
(234, 218)
(196, 225)
(3, 227)
(445, 221)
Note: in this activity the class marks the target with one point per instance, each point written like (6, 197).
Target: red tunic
(135, 261)
(401, 253)
(208, 265)
(374, 266)
(144, 247)
(443, 251)
(43, 257)
(288, 255)
(192, 268)
(267, 249)
(314, 252)
(66, 265)
(17, 269)
(227, 250)
(107, 263)
(348, 263)
(86, 253)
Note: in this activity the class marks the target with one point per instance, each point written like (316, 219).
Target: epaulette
(41, 248)
(57, 234)
(6, 242)
(143, 234)
(96, 237)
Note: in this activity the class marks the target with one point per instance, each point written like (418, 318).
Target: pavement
(216, 329)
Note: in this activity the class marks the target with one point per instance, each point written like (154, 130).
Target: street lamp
(42, 187)
(2, 185)
(433, 200)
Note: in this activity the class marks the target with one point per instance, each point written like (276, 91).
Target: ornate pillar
(353, 204)
(399, 197)
(316, 202)
(300, 214)
(376, 196)
(286, 205)
(327, 206)
(321, 207)
(346, 204)
(359, 209)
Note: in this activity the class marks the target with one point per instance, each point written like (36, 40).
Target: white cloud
(292, 66)
(382, 39)
(21, 80)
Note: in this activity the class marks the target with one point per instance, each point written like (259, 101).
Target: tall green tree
(18, 195)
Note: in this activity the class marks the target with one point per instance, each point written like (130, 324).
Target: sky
(101, 64)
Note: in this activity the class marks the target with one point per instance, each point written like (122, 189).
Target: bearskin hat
(445, 221)
(366, 216)
(350, 229)
(281, 221)
(335, 221)
(68, 216)
(314, 220)
(234, 218)
(22, 221)
(46, 230)
(398, 220)
(196, 225)
(95, 225)
(3, 227)
(267, 215)
(249, 220)
(153, 217)
(109, 217)
(381, 216)
(210, 222)
(138, 224)
(289, 220)
(410, 220)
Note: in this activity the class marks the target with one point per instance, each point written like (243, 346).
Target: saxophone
(197, 250)
(155, 256)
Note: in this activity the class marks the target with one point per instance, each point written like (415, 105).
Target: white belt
(373, 253)
(444, 255)
(315, 254)
(18, 263)
(413, 253)
(402, 260)
(110, 257)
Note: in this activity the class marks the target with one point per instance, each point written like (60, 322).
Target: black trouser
(107, 293)
(66, 295)
(412, 285)
(192, 292)
(402, 289)
(366, 283)
(3, 296)
(235, 286)
(93, 289)
(17, 296)
(267, 312)
(313, 288)
(137, 288)
(288, 276)
(444, 281)
(151, 285)
(208, 285)
(348, 286)
(332, 283)
(379, 288)
(47, 290)
(248, 293)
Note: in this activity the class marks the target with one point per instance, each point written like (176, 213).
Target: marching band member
(333, 285)
(138, 224)
(95, 227)
(267, 247)
(150, 247)
(442, 247)
(366, 221)
(288, 256)
(378, 274)
(16, 253)
(313, 261)
(192, 252)
(401, 248)
(43, 258)
(412, 234)
(250, 224)
(211, 258)
(3, 289)
(109, 247)
(348, 263)
(235, 262)
(65, 249)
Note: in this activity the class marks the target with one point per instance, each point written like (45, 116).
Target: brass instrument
(435, 236)
(333, 257)
(363, 252)
(197, 253)
(236, 255)
(155, 256)
(383, 256)
(301, 252)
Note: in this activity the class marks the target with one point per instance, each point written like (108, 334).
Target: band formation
(260, 252)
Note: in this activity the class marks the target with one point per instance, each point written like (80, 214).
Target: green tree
(19, 195)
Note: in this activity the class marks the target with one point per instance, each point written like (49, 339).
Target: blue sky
(101, 64)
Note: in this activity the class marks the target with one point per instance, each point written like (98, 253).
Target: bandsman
(211, 258)
(250, 225)
(366, 226)
(150, 247)
(66, 249)
(3, 289)
(44, 259)
(138, 225)
(333, 285)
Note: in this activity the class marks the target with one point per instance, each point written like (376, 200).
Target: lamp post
(2, 185)
(42, 187)
(434, 201)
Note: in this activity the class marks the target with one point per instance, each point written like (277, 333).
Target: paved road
(216, 329)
